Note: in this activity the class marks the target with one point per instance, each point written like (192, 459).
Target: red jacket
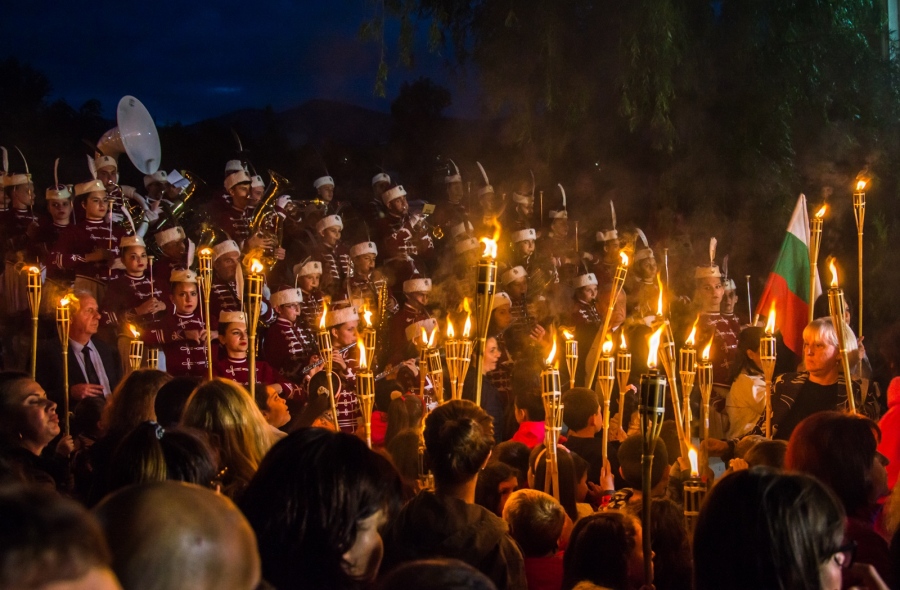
(890, 432)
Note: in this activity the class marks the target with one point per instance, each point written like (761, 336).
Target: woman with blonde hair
(237, 429)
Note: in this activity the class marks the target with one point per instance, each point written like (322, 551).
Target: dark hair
(487, 488)
(535, 521)
(630, 452)
(404, 452)
(579, 465)
(579, 404)
(132, 401)
(306, 501)
(458, 438)
(171, 398)
(767, 453)
(747, 340)
(822, 309)
(759, 528)
(837, 449)
(46, 538)
(9, 413)
(599, 550)
(671, 545)
(261, 397)
(150, 453)
(436, 574)
(404, 412)
(532, 403)
(567, 481)
(86, 417)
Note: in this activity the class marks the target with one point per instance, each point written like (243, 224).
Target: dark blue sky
(192, 59)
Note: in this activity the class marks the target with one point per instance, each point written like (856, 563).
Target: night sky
(194, 59)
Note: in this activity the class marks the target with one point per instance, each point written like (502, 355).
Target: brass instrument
(265, 221)
(174, 213)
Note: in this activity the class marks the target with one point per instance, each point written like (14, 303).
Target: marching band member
(288, 346)
(257, 189)
(522, 214)
(523, 248)
(20, 227)
(451, 210)
(364, 284)
(182, 334)
(343, 325)
(58, 281)
(406, 245)
(584, 312)
(226, 293)
(412, 311)
(308, 276)
(334, 256)
(235, 220)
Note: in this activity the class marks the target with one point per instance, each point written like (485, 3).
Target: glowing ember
(34, 270)
(653, 348)
(205, 252)
(256, 266)
(770, 324)
(64, 302)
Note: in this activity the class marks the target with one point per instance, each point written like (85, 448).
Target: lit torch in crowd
(365, 389)
(34, 302)
(63, 321)
(254, 303)
(652, 408)
(205, 276)
(688, 372)
(815, 240)
(553, 409)
(571, 356)
(767, 360)
(859, 212)
(836, 307)
(605, 378)
(136, 349)
(484, 301)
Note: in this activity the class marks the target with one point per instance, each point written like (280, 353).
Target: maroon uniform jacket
(14, 224)
(585, 314)
(336, 269)
(400, 348)
(405, 249)
(86, 236)
(235, 222)
(223, 296)
(288, 347)
(311, 310)
(183, 357)
(724, 348)
(124, 295)
(239, 370)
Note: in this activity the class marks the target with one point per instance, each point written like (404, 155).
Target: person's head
(436, 574)
(671, 545)
(233, 338)
(85, 317)
(559, 226)
(132, 401)
(344, 334)
(184, 297)
(324, 186)
(308, 274)
(86, 417)
(528, 405)
(395, 200)
(492, 354)
(403, 449)
(821, 354)
(606, 549)
(27, 417)
(458, 438)
(226, 265)
(822, 308)
(380, 183)
(537, 474)
(274, 408)
(501, 314)
(495, 483)
(176, 535)
(239, 191)
(581, 409)
(417, 292)
(151, 453)
(535, 521)
(60, 210)
(107, 170)
(630, 452)
(48, 542)
(329, 229)
(748, 359)
(95, 205)
(767, 453)
(708, 292)
(517, 288)
(317, 504)
(21, 194)
(525, 247)
(134, 258)
(404, 411)
(840, 450)
(729, 297)
(514, 454)
(171, 397)
(237, 429)
(793, 524)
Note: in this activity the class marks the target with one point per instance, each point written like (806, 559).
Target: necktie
(89, 369)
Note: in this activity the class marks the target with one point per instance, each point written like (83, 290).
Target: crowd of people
(195, 465)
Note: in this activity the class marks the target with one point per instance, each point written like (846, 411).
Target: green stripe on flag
(793, 266)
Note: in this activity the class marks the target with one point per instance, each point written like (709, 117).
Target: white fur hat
(522, 199)
(313, 267)
(417, 286)
(363, 248)
(455, 177)
(322, 181)
(173, 234)
(105, 162)
(513, 274)
(414, 330)
(393, 193)
(523, 235)
(225, 247)
(584, 280)
(466, 245)
(485, 190)
(232, 317)
(501, 298)
(285, 296)
(562, 214)
(130, 241)
(336, 317)
(606, 236)
(464, 227)
(729, 285)
(236, 178)
(87, 187)
(60, 192)
(256, 181)
(233, 166)
(158, 176)
(182, 275)
(380, 177)
(643, 254)
(17, 179)
(329, 221)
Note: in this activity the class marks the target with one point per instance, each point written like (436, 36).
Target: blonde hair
(823, 330)
(225, 410)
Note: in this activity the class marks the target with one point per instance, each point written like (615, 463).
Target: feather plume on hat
(563, 191)
(483, 174)
(712, 251)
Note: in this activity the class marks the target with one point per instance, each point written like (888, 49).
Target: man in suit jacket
(94, 366)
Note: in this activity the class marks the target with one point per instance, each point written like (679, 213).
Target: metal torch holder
(694, 494)
(836, 307)
(553, 414)
(136, 354)
(459, 355)
(767, 357)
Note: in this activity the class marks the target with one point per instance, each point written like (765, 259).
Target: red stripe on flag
(791, 312)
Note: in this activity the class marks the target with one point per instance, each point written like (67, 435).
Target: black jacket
(50, 368)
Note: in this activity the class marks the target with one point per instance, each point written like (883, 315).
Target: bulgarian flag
(788, 284)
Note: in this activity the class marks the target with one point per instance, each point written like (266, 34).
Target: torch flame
(465, 305)
(467, 328)
(324, 312)
(206, 252)
(608, 345)
(490, 248)
(659, 304)
(360, 345)
(692, 457)
(64, 302)
(552, 355)
(770, 324)
(624, 257)
(834, 274)
(431, 338)
(368, 316)
(450, 332)
(691, 338)
(622, 344)
(34, 270)
(705, 354)
(256, 266)
(652, 353)
(568, 335)
(134, 330)
(861, 185)
(821, 212)
(424, 337)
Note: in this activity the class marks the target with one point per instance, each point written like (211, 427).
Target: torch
(136, 350)
(553, 410)
(435, 368)
(605, 378)
(423, 362)
(594, 353)
(623, 373)
(254, 301)
(369, 337)
(152, 358)
(767, 360)
(652, 408)
(836, 307)
(323, 336)
(694, 492)
(205, 276)
(859, 212)
(668, 360)
(705, 383)
(34, 302)
(63, 320)
(365, 389)
(459, 354)
(815, 240)
(687, 366)
(572, 356)
(484, 301)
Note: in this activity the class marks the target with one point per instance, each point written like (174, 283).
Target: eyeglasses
(844, 555)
